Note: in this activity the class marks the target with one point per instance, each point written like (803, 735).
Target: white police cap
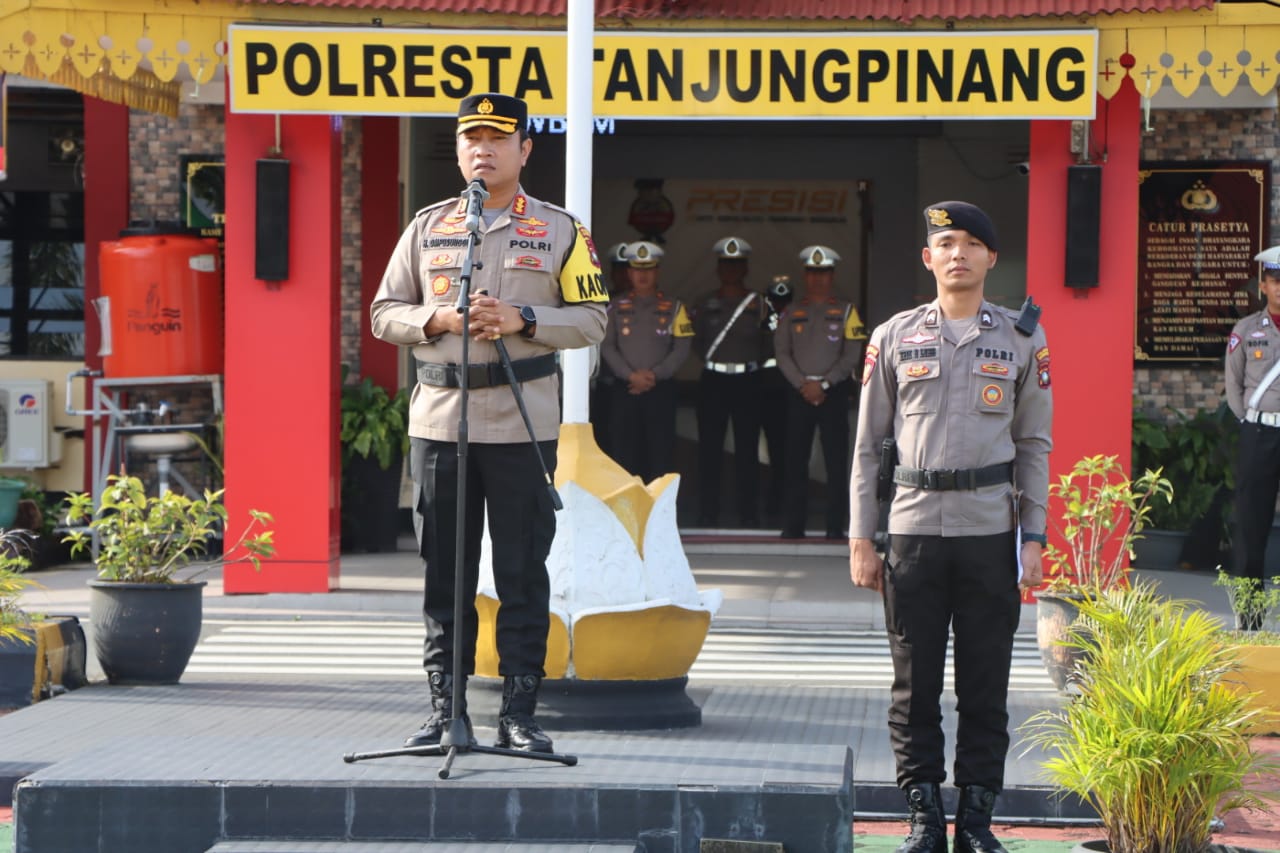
(618, 253)
(732, 248)
(1270, 259)
(644, 254)
(819, 257)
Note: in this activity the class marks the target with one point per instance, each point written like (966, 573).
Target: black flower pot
(144, 633)
(1055, 614)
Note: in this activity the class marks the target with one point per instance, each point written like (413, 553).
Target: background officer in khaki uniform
(1253, 393)
(729, 335)
(817, 346)
(966, 395)
(647, 340)
(545, 292)
(603, 379)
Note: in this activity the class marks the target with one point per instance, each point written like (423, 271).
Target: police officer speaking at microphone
(539, 289)
(962, 385)
(648, 338)
(1253, 393)
(817, 344)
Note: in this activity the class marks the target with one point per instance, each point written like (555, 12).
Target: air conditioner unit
(25, 422)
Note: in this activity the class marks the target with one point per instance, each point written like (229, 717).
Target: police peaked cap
(732, 249)
(490, 109)
(618, 253)
(819, 257)
(1270, 260)
(644, 255)
(962, 216)
(781, 287)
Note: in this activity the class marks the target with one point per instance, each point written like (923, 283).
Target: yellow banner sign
(872, 75)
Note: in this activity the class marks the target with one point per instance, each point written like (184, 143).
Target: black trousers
(506, 480)
(774, 391)
(644, 429)
(723, 397)
(831, 420)
(1257, 479)
(935, 586)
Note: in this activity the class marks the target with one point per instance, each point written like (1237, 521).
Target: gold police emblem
(938, 217)
(485, 107)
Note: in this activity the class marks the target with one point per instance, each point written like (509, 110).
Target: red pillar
(379, 230)
(1091, 331)
(282, 358)
(106, 213)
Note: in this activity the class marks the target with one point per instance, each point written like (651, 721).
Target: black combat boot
(433, 729)
(516, 726)
(973, 821)
(928, 823)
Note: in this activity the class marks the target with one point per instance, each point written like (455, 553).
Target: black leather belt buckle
(938, 479)
(478, 376)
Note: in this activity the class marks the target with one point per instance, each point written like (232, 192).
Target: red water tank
(161, 304)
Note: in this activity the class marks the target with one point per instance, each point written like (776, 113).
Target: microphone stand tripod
(454, 740)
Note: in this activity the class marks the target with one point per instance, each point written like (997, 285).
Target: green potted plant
(1157, 741)
(1103, 513)
(374, 439)
(1257, 650)
(1197, 454)
(145, 609)
(17, 641)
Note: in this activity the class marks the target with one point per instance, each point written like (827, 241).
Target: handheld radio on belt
(884, 493)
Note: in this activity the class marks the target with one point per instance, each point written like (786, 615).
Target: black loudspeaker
(1084, 223)
(271, 235)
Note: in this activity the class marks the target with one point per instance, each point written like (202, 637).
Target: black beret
(490, 109)
(960, 215)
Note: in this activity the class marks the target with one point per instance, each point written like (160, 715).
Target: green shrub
(1156, 741)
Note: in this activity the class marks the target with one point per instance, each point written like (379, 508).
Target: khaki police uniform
(972, 420)
(533, 254)
(646, 333)
(729, 388)
(1253, 349)
(818, 341)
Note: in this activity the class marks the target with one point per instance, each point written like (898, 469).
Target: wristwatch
(530, 321)
(1035, 537)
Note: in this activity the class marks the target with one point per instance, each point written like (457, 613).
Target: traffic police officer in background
(1253, 393)
(730, 337)
(647, 340)
(817, 346)
(962, 385)
(539, 288)
(774, 391)
(603, 379)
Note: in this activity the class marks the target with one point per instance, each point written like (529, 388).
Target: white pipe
(576, 363)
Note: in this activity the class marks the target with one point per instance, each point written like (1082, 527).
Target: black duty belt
(485, 375)
(951, 479)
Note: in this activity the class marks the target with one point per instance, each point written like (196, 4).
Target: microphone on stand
(477, 194)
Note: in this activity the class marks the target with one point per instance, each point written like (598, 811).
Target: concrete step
(413, 847)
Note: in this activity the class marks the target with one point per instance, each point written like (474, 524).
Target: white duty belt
(1271, 419)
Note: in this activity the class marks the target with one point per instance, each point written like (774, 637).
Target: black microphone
(477, 194)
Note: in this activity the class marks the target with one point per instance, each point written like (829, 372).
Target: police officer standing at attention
(539, 288)
(816, 345)
(1253, 393)
(729, 336)
(603, 378)
(774, 391)
(648, 338)
(963, 387)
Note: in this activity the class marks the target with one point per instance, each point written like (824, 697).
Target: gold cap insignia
(938, 217)
(816, 258)
(485, 107)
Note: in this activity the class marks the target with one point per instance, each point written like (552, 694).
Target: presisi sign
(865, 75)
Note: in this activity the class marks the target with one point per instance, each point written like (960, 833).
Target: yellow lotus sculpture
(624, 604)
